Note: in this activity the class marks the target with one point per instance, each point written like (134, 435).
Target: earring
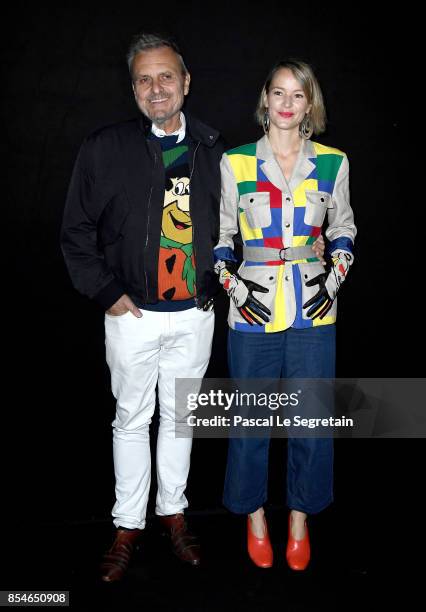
(266, 121)
(305, 128)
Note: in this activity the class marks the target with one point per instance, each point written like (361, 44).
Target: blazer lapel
(304, 166)
(271, 168)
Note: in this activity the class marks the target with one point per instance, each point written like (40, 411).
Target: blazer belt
(263, 254)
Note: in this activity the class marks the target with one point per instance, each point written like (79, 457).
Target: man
(139, 228)
(140, 225)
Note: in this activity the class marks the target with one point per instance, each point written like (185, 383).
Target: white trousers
(140, 353)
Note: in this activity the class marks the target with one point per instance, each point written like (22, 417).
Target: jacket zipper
(193, 241)
(147, 223)
(193, 161)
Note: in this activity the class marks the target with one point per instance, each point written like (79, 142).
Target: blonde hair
(307, 79)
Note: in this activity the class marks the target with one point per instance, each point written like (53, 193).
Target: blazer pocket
(257, 208)
(317, 203)
(111, 222)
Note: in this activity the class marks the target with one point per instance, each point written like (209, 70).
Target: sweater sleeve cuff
(343, 243)
(224, 254)
(109, 294)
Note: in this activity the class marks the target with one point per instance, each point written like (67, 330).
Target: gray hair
(142, 42)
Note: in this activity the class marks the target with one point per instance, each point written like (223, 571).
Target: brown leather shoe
(116, 559)
(184, 544)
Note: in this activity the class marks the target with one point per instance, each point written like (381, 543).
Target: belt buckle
(282, 254)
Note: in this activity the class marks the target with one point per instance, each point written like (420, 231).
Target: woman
(278, 192)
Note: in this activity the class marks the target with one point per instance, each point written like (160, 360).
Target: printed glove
(329, 283)
(240, 291)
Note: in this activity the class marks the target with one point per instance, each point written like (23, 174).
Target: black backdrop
(65, 75)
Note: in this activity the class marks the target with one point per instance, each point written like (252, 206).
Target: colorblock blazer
(274, 214)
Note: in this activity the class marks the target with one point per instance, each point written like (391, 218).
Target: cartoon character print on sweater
(176, 272)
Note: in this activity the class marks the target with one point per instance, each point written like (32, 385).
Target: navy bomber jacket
(111, 228)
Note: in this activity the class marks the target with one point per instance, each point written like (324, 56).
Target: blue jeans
(293, 353)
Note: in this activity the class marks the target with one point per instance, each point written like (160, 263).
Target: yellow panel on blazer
(244, 167)
(299, 192)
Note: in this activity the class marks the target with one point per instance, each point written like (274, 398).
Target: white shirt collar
(180, 133)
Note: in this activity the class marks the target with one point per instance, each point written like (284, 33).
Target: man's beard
(161, 120)
(166, 114)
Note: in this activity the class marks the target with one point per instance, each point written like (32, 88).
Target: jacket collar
(271, 168)
(196, 130)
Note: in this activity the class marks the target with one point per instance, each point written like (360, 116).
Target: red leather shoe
(298, 552)
(259, 549)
